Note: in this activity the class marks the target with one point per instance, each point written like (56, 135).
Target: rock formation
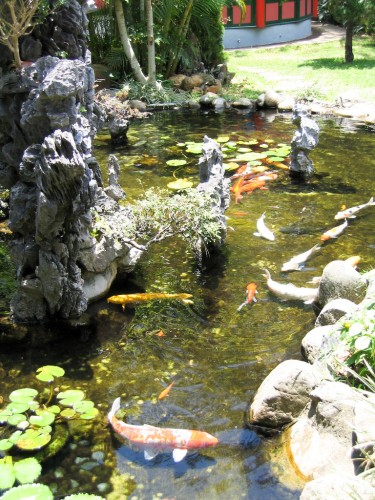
(304, 140)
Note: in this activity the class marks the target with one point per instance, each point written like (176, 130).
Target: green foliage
(358, 337)
(188, 214)
(152, 95)
(30, 491)
(8, 282)
(360, 12)
(29, 420)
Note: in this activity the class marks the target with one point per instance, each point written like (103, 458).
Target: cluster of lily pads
(252, 152)
(27, 424)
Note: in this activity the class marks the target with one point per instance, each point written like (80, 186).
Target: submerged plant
(29, 419)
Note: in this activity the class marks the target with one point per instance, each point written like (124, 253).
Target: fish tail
(267, 274)
(115, 407)
(371, 202)
(254, 299)
(242, 305)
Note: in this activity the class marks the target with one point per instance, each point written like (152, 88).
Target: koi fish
(348, 213)
(295, 263)
(155, 440)
(237, 189)
(251, 290)
(289, 291)
(263, 230)
(334, 232)
(131, 298)
(165, 392)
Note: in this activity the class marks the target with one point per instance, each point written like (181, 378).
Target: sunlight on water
(217, 356)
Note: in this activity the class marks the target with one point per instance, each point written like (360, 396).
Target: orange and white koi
(289, 291)
(348, 213)
(263, 230)
(296, 263)
(131, 298)
(334, 232)
(165, 392)
(251, 290)
(155, 440)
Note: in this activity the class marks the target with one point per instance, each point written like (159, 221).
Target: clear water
(216, 356)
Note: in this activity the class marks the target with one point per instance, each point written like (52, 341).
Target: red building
(268, 22)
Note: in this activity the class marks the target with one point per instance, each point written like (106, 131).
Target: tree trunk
(182, 31)
(349, 56)
(151, 66)
(128, 49)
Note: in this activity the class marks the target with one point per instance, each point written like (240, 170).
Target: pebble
(59, 472)
(79, 460)
(98, 456)
(103, 487)
(89, 465)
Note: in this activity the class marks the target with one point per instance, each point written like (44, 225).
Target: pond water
(216, 356)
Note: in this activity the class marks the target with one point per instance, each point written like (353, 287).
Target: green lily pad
(250, 156)
(90, 414)
(252, 142)
(7, 476)
(223, 138)
(5, 445)
(244, 150)
(83, 406)
(194, 148)
(54, 409)
(17, 407)
(16, 419)
(255, 163)
(33, 439)
(23, 425)
(69, 397)
(33, 405)
(181, 144)
(180, 184)
(68, 413)
(264, 145)
(42, 419)
(48, 373)
(30, 492)
(176, 163)
(27, 470)
(275, 158)
(4, 415)
(13, 438)
(23, 395)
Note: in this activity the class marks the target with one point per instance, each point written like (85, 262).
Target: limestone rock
(286, 104)
(304, 140)
(333, 311)
(272, 98)
(283, 394)
(340, 280)
(244, 103)
(338, 486)
(318, 341)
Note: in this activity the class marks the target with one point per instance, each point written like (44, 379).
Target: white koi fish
(289, 291)
(295, 263)
(156, 439)
(263, 230)
(348, 213)
(334, 232)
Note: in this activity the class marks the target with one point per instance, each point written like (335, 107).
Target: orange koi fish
(165, 392)
(131, 298)
(155, 440)
(353, 261)
(334, 232)
(237, 189)
(251, 290)
(252, 186)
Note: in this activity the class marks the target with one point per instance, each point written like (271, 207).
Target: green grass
(306, 70)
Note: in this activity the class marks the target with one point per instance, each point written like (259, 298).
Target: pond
(216, 356)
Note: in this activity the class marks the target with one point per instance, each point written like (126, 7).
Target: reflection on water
(216, 356)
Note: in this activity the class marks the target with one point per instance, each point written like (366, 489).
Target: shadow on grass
(337, 64)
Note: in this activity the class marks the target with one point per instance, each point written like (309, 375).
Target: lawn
(315, 70)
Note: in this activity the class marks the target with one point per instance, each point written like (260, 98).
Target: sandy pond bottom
(216, 356)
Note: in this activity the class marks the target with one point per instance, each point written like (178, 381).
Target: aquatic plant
(358, 344)
(30, 420)
(152, 95)
(39, 491)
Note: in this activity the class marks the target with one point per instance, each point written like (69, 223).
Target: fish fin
(268, 274)
(242, 305)
(254, 299)
(179, 454)
(309, 301)
(150, 453)
(257, 234)
(115, 407)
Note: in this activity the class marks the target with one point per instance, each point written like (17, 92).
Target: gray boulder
(341, 281)
(318, 341)
(333, 311)
(283, 394)
(338, 487)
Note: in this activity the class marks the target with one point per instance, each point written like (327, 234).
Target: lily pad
(42, 419)
(27, 470)
(244, 150)
(24, 395)
(264, 145)
(229, 167)
(68, 413)
(33, 439)
(276, 158)
(30, 491)
(48, 373)
(5, 445)
(4, 415)
(54, 409)
(69, 397)
(223, 138)
(16, 419)
(83, 496)
(83, 406)
(7, 476)
(176, 163)
(90, 414)
(180, 184)
(13, 438)
(17, 407)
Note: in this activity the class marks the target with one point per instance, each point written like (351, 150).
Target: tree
(352, 14)
(18, 18)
